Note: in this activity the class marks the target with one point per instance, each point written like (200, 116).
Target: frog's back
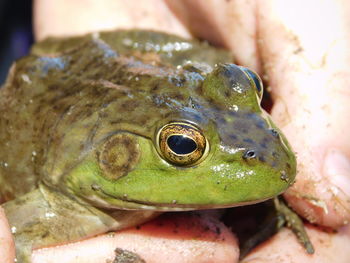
(67, 86)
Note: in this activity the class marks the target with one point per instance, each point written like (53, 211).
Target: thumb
(305, 51)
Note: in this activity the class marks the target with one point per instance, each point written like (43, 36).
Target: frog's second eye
(182, 144)
(255, 79)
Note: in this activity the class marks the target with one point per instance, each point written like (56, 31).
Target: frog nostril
(249, 154)
(274, 133)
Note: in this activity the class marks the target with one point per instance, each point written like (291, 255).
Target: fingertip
(7, 247)
(283, 247)
(337, 169)
(319, 202)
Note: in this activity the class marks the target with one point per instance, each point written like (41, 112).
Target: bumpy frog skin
(132, 120)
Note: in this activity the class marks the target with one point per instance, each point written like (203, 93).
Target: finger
(230, 24)
(170, 238)
(74, 17)
(305, 51)
(284, 248)
(7, 248)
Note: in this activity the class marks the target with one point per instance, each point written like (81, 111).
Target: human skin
(6, 242)
(301, 48)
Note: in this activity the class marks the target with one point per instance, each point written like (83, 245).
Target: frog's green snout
(251, 139)
(247, 135)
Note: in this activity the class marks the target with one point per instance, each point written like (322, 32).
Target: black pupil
(180, 144)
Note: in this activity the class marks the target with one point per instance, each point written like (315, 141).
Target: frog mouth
(163, 207)
(125, 203)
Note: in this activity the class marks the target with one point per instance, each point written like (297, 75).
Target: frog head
(221, 151)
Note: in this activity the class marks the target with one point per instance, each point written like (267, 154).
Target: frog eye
(182, 144)
(254, 79)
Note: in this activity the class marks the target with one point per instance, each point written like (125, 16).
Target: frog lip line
(185, 207)
(178, 207)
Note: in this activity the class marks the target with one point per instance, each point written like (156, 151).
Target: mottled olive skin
(78, 125)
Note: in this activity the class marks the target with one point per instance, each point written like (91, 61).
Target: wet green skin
(62, 105)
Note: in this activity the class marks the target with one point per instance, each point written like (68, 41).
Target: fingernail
(337, 170)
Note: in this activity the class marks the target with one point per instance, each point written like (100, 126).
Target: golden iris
(182, 144)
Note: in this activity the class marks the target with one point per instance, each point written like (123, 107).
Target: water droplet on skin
(26, 78)
(135, 45)
(95, 187)
(127, 42)
(111, 234)
(50, 214)
(234, 108)
(284, 176)
(96, 35)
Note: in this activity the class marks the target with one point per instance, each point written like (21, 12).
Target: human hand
(306, 69)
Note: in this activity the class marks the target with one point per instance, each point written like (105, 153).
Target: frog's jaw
(109, 202)
(94, 193)
(101, 198)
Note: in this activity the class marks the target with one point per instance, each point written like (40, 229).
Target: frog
(108, 130)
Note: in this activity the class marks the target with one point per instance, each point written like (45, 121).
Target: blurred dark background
(16, 34)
